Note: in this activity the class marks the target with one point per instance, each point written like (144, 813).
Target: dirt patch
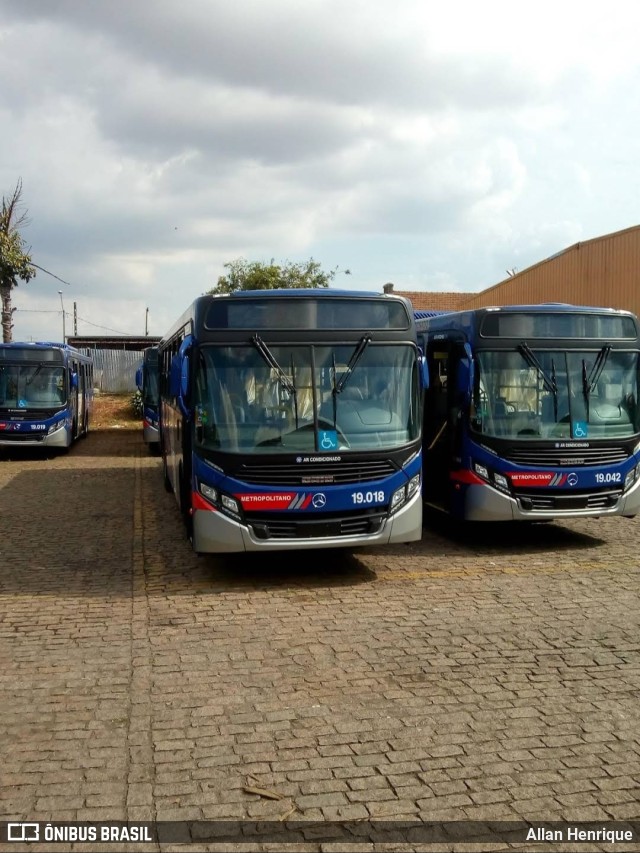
(114, 411)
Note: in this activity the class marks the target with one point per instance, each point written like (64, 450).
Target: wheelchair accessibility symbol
(580, 429)
(328, 439)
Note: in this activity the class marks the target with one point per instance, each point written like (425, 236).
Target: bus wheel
(185, 503)
(165, 476)
(85, 429)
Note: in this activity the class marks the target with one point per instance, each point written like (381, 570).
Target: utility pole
(75, 319)
(64, 336)
(146, 322)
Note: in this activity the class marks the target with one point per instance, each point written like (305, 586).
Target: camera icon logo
(23, 832)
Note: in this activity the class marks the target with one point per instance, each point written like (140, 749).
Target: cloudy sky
(432, 145)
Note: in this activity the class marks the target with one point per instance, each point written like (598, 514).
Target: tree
(15, 260)
(255, 275)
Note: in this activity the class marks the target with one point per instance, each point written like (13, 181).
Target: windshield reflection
(31, 386)
(280, 399)
(556, 394)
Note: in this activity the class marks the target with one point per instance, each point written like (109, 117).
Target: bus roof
(40, 345)
(198, 314)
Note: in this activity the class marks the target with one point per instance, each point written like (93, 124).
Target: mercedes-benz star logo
(572, 479)
(319, 500)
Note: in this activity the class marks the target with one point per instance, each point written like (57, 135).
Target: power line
(34, 311)
(103, 327)
(68, 314)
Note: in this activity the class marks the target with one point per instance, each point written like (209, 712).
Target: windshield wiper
(589, 382)
(353, 361)
(334, 390)
(549, 382)
(270, 359)
(555, 385)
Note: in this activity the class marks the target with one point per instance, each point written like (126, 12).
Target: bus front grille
(310, 474)
(355, 524)
(21, 436)
(572, 457)
(562, 500)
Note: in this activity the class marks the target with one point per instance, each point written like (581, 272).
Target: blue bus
(291, 419)
(46, 394)
(532, 412)
(147, 383)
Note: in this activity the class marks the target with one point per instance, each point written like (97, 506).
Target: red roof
(423, 300)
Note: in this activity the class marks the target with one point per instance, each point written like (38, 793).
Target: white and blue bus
(46, 394)
(291, 419)
(532, 412)
(147, 384)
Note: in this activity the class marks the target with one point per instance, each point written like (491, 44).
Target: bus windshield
(563, 394)
(288, 398)
(150, 383)
(31, 386)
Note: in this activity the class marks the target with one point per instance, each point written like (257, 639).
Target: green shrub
(136, 404)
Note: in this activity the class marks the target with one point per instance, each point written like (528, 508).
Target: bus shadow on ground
(111, 443)
(309, 569)
(509, 536)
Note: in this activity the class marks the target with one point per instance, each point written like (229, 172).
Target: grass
(114, 411)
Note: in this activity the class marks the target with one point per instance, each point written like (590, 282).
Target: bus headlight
(58, 425)
(223, 503)
(413, 485)
(501, 481)
(493, 478)
(230, 504)
(631, 477)
(481, 471)
(209, 493)
(397, 499)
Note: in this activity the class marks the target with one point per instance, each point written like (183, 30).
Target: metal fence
(114, 371)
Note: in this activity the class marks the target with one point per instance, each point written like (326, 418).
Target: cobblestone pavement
(491, 675)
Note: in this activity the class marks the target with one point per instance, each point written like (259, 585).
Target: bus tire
(185, 502)
(85, 428)
(165, 476)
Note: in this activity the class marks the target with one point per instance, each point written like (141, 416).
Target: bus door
(438, 432)
(74, 398)
(442, 434)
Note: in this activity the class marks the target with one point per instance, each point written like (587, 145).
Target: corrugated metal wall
(114, 371)
(604, 272)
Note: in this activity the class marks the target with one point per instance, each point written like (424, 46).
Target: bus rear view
(532, 413)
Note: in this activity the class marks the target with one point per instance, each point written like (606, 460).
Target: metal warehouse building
(604, 272)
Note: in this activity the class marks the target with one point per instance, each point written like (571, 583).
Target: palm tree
(15, 258)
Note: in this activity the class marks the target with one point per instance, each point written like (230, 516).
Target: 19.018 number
(367, 497)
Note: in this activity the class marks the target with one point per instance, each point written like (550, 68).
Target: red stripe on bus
(198, 502)
(464, 475)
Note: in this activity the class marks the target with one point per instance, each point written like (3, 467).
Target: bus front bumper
(216, 533)
(150, 433)
(484, 503)
(57, 439)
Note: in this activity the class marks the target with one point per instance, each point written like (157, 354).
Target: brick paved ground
(492, 676)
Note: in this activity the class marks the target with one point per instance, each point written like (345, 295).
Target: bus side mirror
(74, 380)
(184, 377)
(466, 373)
(139, 379)
(179, 376)
(424, 372)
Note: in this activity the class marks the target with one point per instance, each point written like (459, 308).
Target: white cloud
(429, 145)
